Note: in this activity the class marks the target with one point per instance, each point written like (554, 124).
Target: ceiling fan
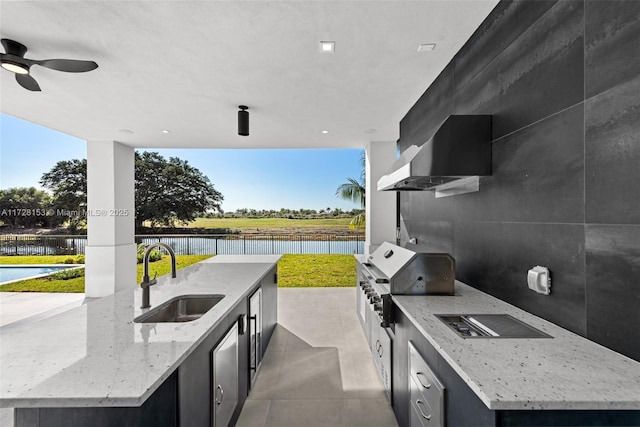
(14, 61)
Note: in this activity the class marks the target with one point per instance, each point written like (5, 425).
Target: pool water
(12, 273)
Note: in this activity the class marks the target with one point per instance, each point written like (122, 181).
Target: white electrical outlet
(539, 280)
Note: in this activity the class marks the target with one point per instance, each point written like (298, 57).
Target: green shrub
(80, 259)
(154, 256)
(67, 274)
(69, 261)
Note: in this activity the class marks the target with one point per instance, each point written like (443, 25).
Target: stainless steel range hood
(460, 148)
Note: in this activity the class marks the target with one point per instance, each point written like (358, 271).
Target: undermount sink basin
(184, 308)
(490, 326)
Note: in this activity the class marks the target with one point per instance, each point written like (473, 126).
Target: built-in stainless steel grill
(392, 269)
(407, 272)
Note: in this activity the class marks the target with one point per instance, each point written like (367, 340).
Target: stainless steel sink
(490, 326)
(184, 308)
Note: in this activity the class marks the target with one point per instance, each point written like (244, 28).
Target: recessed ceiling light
(370, 131)
(325, 131)
(426, 47)
(127, 131)
(327, 46)
(165, 131)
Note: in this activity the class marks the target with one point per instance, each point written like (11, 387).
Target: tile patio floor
(317, 370)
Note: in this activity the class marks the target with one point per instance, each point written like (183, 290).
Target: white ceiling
(186, 66)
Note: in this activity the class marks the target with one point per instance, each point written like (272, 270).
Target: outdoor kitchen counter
(95, 355)
(567, 372)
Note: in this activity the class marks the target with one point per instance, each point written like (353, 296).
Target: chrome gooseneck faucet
(146, 282)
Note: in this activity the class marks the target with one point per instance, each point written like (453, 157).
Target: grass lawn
(313, 271)
(39, 259)
(294, 271)
(253, 223)
(77, 284)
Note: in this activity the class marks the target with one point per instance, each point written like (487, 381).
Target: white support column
(380, 205)
(111, 249)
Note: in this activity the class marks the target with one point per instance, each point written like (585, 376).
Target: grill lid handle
(388, 253)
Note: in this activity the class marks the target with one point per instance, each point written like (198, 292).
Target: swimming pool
(15, 272)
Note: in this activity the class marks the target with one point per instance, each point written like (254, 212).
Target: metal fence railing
(42, 245)
(196, 244)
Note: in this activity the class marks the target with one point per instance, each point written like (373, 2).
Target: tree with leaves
(355, 191)
(67, 180)
(166, 191)
(27, 207)
(170, 191)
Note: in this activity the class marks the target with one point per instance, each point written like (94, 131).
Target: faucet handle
(155, 274)
(146, 281)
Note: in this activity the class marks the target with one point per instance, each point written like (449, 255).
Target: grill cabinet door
(225, 378)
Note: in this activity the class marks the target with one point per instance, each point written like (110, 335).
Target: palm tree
(355, 191)
(352, 190)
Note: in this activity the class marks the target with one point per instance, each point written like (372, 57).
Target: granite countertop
(95, 355)
(567, 372)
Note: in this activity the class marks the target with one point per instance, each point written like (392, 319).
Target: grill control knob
(377, 307)
(375, 298)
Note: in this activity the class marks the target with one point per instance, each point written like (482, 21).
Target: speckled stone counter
(567, 372)
(95, 355)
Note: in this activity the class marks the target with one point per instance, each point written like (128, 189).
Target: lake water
(195, 245)
(212, 246)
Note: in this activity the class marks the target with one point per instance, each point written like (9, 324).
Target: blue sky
(255, 179)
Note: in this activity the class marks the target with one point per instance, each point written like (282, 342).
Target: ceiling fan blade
(28, 82)
(12, 47)
(67, 65)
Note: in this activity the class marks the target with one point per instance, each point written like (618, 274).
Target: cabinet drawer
(424, 377)
(427, 392)
(422, 409)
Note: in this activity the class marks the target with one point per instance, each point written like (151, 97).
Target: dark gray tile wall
(436, 106)
(538, 174)
(538, 74)
(495, 257)
(613, 288)
(612, 151)
(562, 81)
(612, 55)
(505, 24)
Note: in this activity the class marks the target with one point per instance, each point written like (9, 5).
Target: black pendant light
(243, 121)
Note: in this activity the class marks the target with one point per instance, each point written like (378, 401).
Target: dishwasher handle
(253, 363)
(219, 402)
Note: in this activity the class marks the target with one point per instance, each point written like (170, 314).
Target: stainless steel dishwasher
(255, 334)
(225, 378)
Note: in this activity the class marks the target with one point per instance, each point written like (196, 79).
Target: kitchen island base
(160, 410)
(184, 396)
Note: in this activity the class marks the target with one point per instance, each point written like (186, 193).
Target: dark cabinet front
(460, 406)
